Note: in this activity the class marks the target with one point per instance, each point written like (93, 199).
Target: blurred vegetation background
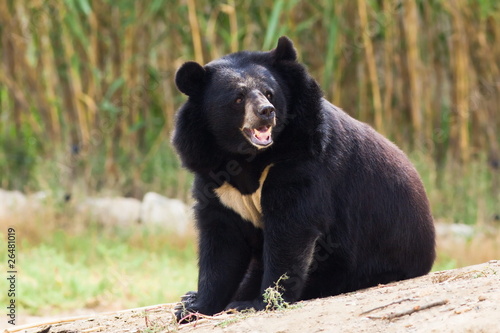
(87, 96)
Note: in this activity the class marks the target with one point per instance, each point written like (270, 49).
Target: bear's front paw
(246, 305)
(186, 307)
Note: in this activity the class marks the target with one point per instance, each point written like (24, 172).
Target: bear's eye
(269, 95)
(238, 100)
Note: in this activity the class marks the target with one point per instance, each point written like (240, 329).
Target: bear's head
(239, 103)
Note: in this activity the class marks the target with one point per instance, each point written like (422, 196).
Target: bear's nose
(266, 111)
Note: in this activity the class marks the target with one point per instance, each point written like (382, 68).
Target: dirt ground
(460, 300)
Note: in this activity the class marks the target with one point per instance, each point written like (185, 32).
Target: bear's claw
(185, 307)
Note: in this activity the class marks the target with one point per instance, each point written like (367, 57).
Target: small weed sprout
(273, 296)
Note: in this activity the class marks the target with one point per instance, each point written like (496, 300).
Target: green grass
(444, 262)
(101, 269)
(464, 194)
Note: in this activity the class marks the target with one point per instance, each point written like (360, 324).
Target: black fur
(342, 207)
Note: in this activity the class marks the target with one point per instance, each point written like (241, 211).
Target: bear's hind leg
(250, 286)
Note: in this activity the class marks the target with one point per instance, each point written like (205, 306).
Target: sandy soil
(461, 300)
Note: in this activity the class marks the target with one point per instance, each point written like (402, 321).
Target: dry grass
(480, 248)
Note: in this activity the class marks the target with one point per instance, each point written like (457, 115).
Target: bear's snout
(259, 111)
(266, 111)
(260, 118)
(261, 107)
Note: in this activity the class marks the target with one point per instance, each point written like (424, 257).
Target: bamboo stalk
(460, 68)
(400, 84)
(124, 104)
(60, 60)
(363, 104)
(212, 34)
(230, 10)
(371, 66)
(166, 62)
(389, 62)
(146, 91)
(428, 86)
(75, 85)
(331, 44)
(47, 70)
(92, 88)
(195, 31)
(352, 76)
(337, 88)
(413, 67)
(439, 134)
(11, 79)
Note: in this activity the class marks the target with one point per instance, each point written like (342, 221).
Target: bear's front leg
(287, 257)
(292, 225)
(224, 256)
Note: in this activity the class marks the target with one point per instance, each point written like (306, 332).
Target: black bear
(287, 183)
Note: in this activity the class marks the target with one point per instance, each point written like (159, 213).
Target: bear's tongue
(262, 134)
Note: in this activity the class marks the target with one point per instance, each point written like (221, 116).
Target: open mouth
(260, 137)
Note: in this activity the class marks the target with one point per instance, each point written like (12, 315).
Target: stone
(158, 210)
(113, 211)
(11, 203)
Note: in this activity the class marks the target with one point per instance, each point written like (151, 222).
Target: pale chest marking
(248, 206)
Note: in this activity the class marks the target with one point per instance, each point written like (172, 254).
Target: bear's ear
(190, 78)
(284, 50)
